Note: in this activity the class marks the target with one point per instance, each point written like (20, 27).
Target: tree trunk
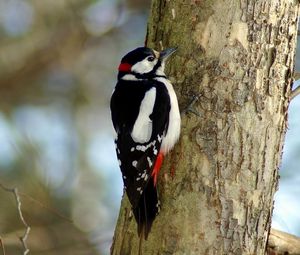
(238, 57)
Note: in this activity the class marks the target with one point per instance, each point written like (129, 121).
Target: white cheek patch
(142, 129)
(143, 66)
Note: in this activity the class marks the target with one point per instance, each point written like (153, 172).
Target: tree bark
(238, 57)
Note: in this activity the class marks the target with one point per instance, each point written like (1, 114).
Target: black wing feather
(138, 159)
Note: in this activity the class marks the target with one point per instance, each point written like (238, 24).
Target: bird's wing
(140, 114)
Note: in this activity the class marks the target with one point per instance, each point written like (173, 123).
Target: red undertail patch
(157, 166)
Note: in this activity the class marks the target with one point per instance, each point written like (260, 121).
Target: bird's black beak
(166, 53)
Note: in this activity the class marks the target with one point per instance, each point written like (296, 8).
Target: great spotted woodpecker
(146, 118)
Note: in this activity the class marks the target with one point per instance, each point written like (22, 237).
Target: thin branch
(281, 243)
(296, 75)
(26, 233)
(295, 92)
(23, 238)
(2, 246)
(5, 188)
(55, 212)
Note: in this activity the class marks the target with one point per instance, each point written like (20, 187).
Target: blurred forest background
(58, 67)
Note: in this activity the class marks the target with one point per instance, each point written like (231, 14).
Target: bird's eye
(151, 58)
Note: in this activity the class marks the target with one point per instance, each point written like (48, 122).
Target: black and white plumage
(146, 119)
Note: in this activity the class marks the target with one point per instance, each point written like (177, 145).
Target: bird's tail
(147, 209)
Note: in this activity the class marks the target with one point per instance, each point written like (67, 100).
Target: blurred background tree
(58, 62)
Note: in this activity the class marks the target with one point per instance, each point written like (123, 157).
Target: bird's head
(144, 63)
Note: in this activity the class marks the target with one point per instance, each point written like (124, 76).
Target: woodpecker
(146, 118)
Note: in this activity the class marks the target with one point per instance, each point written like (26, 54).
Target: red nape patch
(157, 166)
(124, 67)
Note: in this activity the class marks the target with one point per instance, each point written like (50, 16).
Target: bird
(146, 119)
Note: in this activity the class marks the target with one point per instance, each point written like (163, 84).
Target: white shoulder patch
(142, 129)
(130, 77)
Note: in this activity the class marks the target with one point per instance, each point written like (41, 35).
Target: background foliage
(58, 62)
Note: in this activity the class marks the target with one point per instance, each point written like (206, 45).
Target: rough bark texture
(239, 57)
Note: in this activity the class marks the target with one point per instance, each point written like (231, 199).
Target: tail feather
(147, 209)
